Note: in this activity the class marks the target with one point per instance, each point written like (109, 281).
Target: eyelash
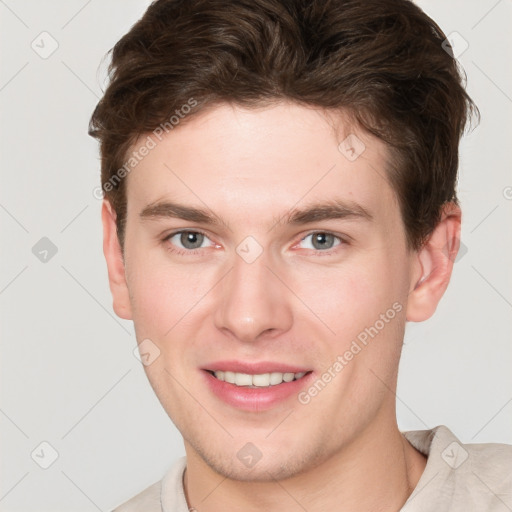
(184, 252)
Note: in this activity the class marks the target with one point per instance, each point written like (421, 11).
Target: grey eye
(322, 241)
(191, 239)
(187, 239)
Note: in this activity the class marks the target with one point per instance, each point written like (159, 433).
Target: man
(279, 181)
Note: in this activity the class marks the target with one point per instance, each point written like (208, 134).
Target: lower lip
(255, 399)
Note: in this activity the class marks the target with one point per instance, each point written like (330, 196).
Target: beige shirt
(457, 478)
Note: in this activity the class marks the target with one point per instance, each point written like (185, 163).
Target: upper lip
(253, 368)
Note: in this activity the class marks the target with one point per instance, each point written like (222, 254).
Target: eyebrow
(168, 209)
(333, 209)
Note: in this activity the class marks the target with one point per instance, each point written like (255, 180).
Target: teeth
(243, 379)
(261, 380)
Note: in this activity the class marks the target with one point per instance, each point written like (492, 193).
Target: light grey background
(69, 376)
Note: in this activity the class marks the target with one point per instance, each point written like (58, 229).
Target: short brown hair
(383, 61)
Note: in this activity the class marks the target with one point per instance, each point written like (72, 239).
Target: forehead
(264, 160)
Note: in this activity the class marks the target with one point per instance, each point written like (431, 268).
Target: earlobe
(115, 263)
(434, 265)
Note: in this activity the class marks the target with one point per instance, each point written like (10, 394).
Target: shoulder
(491, 463)
(148, 500)
(461, 476)
(479, 475)
(485, 458)
(167, 494)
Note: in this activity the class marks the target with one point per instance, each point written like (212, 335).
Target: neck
(377, 471)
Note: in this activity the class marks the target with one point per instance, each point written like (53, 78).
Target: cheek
(350, 297)
(151, 296)
(155, 294)
(362, 304)
(165, 296)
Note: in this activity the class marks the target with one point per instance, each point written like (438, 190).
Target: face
(296, 264)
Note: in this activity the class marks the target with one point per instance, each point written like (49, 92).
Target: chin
(274, 464)
(263, 472)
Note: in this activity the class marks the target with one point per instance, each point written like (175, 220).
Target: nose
(252, 302)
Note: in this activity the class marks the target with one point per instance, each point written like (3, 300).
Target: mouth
(254, 381)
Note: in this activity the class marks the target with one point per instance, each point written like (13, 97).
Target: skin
(293, 304)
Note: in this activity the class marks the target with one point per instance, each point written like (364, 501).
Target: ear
(433, 265)
(115, 263)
